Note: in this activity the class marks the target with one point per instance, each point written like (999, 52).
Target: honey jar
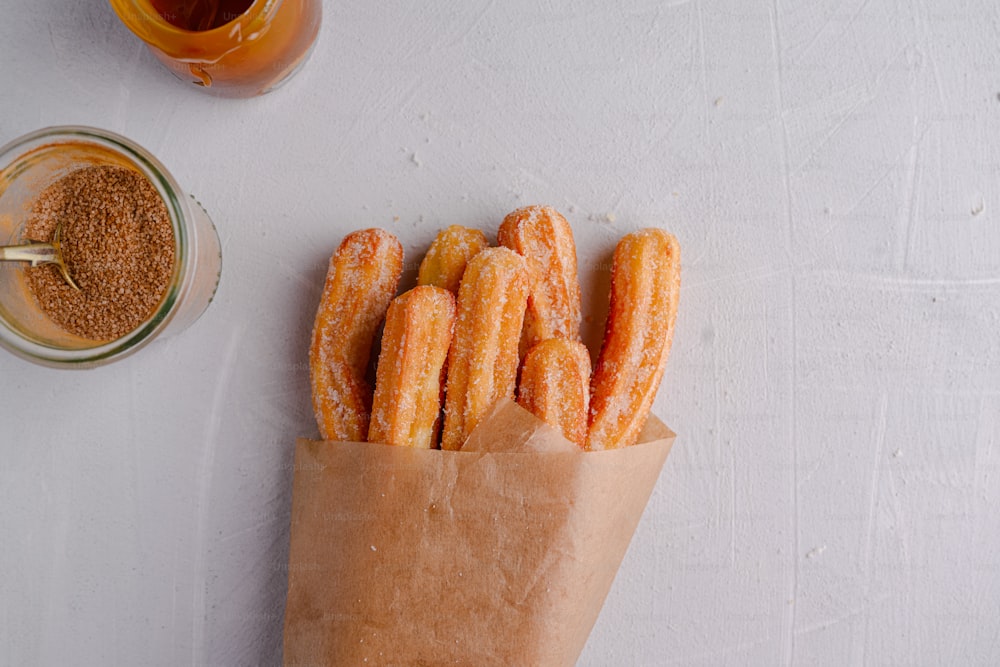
(231, 48)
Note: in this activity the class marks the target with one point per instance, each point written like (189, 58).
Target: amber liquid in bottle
(198, 15)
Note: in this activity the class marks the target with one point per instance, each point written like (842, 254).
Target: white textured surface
(830, 168)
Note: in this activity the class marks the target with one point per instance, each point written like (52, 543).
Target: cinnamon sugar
(118, 244)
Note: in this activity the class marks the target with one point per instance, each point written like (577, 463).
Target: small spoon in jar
(40, 253)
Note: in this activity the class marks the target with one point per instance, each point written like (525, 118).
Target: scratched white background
(830, 168)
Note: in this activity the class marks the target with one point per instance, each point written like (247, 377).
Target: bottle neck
(172, 25)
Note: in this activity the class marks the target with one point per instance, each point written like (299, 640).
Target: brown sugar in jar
(118, 245)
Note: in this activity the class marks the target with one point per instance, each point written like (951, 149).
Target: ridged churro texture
(545, 238)
(406, 408)
(645, 286)
(446, 259)
(555, 386)
(360, 282)
(482, 364)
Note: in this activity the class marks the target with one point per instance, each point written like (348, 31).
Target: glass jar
(250, 54)
(30, 164)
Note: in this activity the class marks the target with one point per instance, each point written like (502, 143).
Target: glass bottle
(231, 48)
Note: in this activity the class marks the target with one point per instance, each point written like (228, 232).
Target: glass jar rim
(142, 18)
(178, 209)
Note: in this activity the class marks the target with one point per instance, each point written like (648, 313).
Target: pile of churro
(485, 323)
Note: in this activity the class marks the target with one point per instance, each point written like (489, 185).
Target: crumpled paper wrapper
(499, 554)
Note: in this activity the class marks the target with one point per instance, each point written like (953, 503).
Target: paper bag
(403, 556)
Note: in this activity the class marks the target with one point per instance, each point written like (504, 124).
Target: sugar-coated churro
(645, 286)
(545, 238)
(446, 259)
(483, 361)
(555, 386)
(360, 282)
(406, 408)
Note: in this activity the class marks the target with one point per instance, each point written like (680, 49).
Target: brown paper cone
(402, 556)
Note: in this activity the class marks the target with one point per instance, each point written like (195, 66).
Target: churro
(448, 256)
(406, 408)
(360, 282)
(555, 386)
(544, 237)
(483, 361)
(645, 286)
